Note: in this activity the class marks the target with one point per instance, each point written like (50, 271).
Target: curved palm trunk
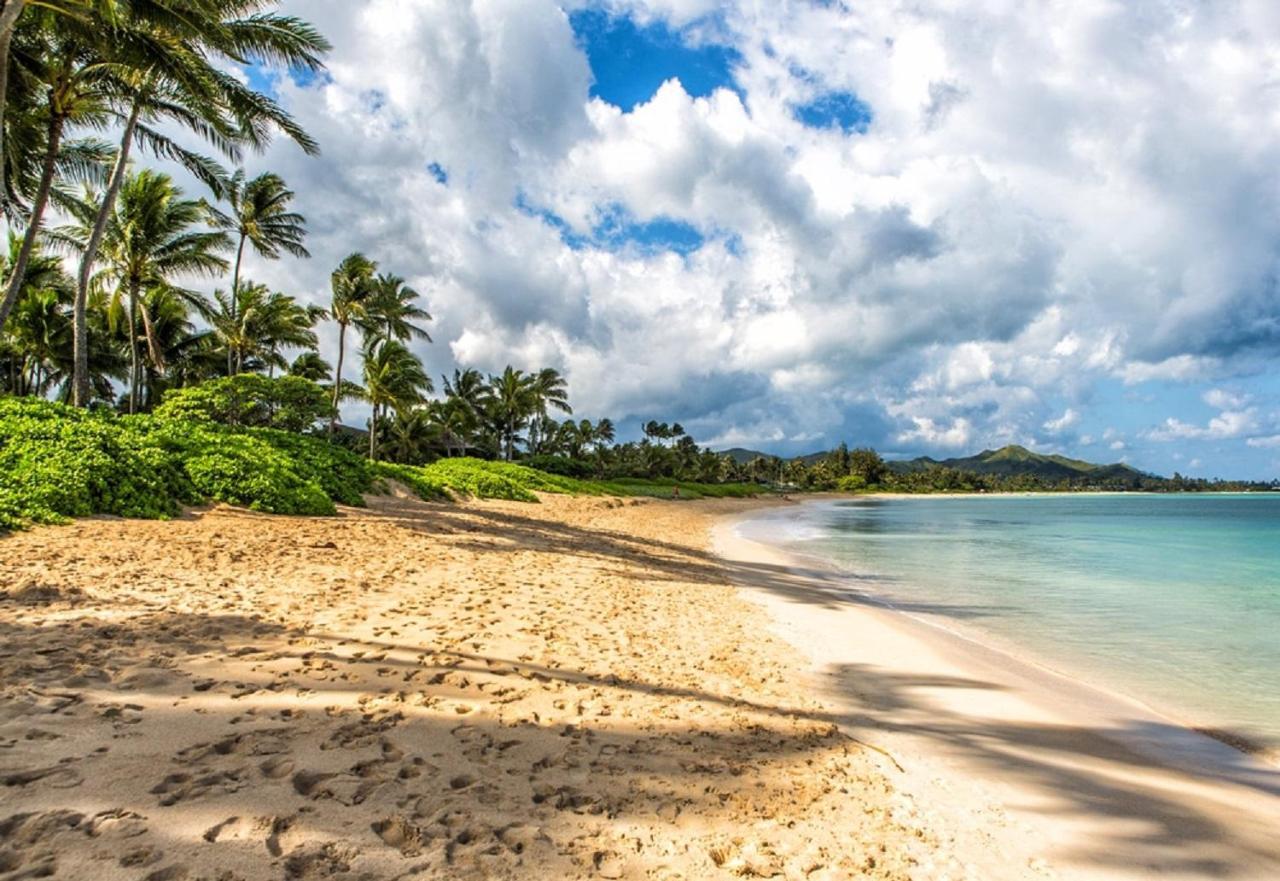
(153, 342)
(337, 376)
(80, 376)
(19, 270)
(8, 24)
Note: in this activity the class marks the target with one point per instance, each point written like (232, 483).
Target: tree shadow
(1077, 773)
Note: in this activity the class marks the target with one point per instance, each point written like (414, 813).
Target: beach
(1023, 771)
(581, 688)
(571, 689)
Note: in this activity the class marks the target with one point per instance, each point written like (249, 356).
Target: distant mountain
(742, 456)
(1015, 460)
(1005, 462)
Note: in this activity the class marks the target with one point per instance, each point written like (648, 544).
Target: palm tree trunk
(373, 434)
(337, 376)
(8, 23)
(19, 270)
(133, 349)
(80, 380)
(235, 293)
(153, 342)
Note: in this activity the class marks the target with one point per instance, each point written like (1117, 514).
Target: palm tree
(412, 434)
(309, 365)
(261, 217)
(511, 399)
(393, 379)
(550, 390)
(352, 285)
(391, 313)
(10, 12)
(59, 60)
(255, 322)
(40, 324)
(176, 75)
(154, 236)
(181, 354)
(603, 433)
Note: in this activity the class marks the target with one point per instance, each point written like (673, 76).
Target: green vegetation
(1009, 469)
(289, 403)
(58, 462)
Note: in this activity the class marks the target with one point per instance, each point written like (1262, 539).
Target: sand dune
(493, 690)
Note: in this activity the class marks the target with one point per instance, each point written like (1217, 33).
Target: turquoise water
(1171, 599)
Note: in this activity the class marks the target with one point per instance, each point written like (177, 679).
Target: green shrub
(851, 483)
(243, 470)
(58, 462)
(426, 486)
(289, 403)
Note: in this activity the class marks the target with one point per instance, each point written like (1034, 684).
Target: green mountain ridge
(1016, 460)
(1007, 461)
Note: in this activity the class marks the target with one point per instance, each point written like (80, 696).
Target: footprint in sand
(277, 834)
(184, 787)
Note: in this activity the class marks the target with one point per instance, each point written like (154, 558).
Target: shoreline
(1263, 752)
(1036, 719)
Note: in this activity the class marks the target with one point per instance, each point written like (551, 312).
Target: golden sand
(490, 690)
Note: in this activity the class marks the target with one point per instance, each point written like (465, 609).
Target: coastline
(1049, 766)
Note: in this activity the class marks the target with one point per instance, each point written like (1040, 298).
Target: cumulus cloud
(958, 434)
(1063, 422)
(1005, 236)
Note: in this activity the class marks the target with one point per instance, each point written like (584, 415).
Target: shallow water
(1171, 599)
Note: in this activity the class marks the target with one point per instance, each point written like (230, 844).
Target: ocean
(1170, 599)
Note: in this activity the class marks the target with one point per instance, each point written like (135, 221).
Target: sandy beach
(1020, 770)
(490, 690)
(584, 688)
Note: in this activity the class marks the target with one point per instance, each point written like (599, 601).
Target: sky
(927, 226)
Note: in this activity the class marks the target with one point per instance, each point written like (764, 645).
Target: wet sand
(1020, 771)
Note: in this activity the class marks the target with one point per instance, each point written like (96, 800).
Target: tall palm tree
(511, 399)
(155, 236)
(10, 13)
(61, 61)
(391, 313)
(352, 285)
(260, 216)
(394, 378)
(178, 77)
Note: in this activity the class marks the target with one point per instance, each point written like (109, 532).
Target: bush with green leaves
(288, 403)
(58, 462)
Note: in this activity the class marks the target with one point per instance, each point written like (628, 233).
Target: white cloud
(1267, 442)
(1224, 400)
(1006, 235)
(1063, 422)
(1227, 424)
(958, 434)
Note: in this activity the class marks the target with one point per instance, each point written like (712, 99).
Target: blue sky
(787, 225)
